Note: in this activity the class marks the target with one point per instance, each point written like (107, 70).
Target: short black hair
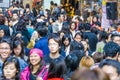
(42, 29)
(71, 62)
(81, 26)
(87, 26)
(98, 23)
(114, 35)
(66, 36)
(103, 35)
(111, 49)
(57, 69)
(110, 62)
(7, 40)
(56, 38)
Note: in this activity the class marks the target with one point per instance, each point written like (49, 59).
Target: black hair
(1, 28)
(79, 54)
(57, 69)
(55, 4)
(87, 26)
(111, 49)
(56, 38)
(42, 29)
(72, 62)
(103, 36)
(95, 17)
(78, 18)
(53, 19)
(51, 2)
(15, 12)
(79, 33)
(21, 25)
(77, 12)
(114, 35)
(81, 26)
(72, 23)
(7, 40)
(18, 41)
(74, 45)
(94, 30)
(33, 20)
(110, 62)
(2, 20)
(66, 36)
(15, 34)
(66, 27)
(17, 65)
(98, 23)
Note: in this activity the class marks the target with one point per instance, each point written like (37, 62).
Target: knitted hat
(37, 51)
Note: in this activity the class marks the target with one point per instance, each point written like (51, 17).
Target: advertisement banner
(105, 21)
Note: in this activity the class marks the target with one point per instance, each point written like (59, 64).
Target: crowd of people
(47, 44)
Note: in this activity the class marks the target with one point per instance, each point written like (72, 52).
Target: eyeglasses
(53, 44)
(4, 48)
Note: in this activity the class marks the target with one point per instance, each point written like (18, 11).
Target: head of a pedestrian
(11, 69)
(111, 67)
(5, 48)
(54, 43)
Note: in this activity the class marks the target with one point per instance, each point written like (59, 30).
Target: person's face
(85, 45)
(66, 42)
(94, 19)
(72, 26)
(18, 50)
(78, 38)
(50, 20)
(10, 23)
(15, 17)
(53, 46)
(5, 50)
(61, 35)
(111, 71)
(35, 59)
(2, 33)
(10, 71)
(62, 17)
(117, 40)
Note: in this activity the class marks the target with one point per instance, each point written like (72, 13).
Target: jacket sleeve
(24, 74)
(44, 73)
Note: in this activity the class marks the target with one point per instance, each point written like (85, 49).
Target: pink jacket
(25, 74)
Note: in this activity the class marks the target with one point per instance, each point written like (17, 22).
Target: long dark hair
(17, 65)
(66, 36)
(41, 65)
(57, 69)
(18, 41)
